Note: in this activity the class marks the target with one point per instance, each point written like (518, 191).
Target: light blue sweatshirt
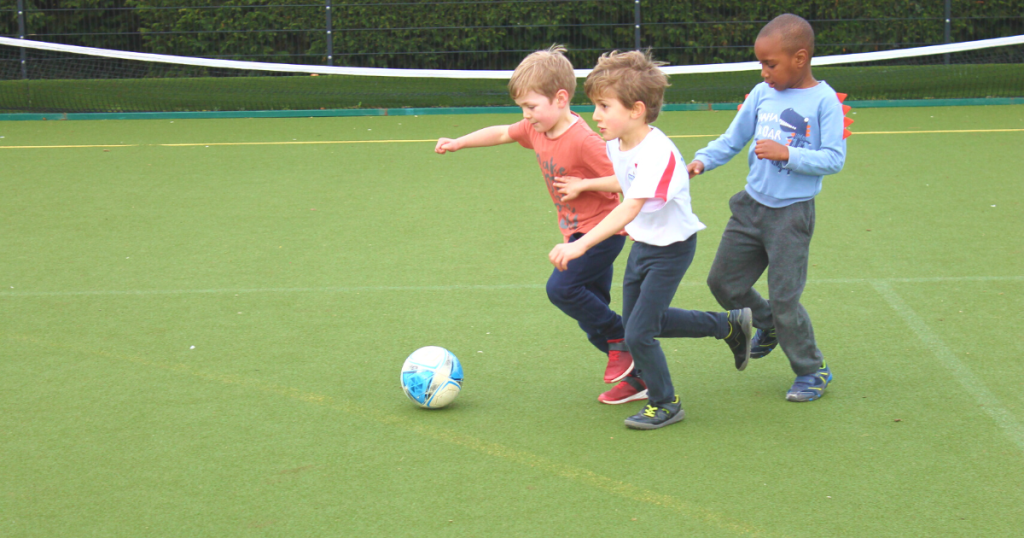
(809, 121)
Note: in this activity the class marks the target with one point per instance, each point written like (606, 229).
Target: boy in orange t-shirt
(543, 85)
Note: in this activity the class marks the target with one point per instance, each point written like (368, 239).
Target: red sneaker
(620, 361)
(629, 389)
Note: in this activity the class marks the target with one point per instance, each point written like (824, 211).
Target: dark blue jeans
(583, 291)
(652, 275)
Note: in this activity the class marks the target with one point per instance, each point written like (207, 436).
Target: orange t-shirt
(578, 152)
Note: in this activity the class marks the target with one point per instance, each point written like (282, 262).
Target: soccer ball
(432, 377)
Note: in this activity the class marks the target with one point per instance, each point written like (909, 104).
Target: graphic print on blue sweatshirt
(808, 121)
(790, 121)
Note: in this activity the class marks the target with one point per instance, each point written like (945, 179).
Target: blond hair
(630, 77)
(544, 72)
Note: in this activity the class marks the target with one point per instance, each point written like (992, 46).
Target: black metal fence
(490, 34)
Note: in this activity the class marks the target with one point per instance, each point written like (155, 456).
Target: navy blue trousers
(652, 275)
(584, 290)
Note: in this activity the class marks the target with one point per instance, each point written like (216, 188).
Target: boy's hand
(771, 150)
(695, 168)
(561, 255)
(447, 144)
(569, 187)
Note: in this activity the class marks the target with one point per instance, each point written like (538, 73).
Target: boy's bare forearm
(623, 214)
(614, 222)
(570, 187)
(488, 136)
(601, 184)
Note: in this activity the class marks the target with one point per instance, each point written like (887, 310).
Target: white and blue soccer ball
(432, 377)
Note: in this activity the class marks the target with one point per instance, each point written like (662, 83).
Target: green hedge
(680, 31)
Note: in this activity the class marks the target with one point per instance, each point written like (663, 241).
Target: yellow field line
(609, 485)
(933, 132)
(297, 143)
(282, 143)
(78, 146)
(311, 142)
(896, 132)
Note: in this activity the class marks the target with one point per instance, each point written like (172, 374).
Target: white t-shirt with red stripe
(655, 170)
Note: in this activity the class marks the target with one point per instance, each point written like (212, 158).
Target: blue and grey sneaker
(657, 416)
(740, 327)
(808, 388)
(763, 344)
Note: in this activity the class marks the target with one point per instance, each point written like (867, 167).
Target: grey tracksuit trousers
(779, 239)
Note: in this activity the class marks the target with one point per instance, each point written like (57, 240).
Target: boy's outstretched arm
(570, 187)
(622, 215)
(725, 147)
(488, 136)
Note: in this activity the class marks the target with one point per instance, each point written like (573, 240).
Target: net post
(21, 35)
(636, 23)
(330, 36)
(949, 12)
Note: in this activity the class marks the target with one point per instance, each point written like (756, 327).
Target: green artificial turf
(304, 274)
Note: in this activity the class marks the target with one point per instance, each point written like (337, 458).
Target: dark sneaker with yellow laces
(763, 344)
(740, 329)
(808, 388)
(657, 416)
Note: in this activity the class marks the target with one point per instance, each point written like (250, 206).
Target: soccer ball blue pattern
(432, 377)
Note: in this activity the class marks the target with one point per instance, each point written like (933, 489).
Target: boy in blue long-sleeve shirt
(797, 124)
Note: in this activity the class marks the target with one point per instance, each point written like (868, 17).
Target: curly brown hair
(630, 77)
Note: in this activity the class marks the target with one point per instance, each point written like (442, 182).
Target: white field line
(327, 289)
(465, 287)
(961, 372)
(432, 140)
(527, 461)
(991, 405)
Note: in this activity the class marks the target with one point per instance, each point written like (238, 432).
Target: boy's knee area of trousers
(638, 339)
(719, 288)
(558, 293)
(783, 316)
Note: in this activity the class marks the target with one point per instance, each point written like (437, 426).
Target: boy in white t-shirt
(627, 90)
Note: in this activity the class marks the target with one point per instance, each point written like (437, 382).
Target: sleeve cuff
(795, 158)
(704, 160)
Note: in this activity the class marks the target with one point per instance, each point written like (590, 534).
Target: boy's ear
(561, 98)
(638, 110)
(801, 58)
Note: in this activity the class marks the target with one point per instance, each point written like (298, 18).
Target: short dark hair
(794, 31)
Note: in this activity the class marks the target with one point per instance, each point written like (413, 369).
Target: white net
(48, 77)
